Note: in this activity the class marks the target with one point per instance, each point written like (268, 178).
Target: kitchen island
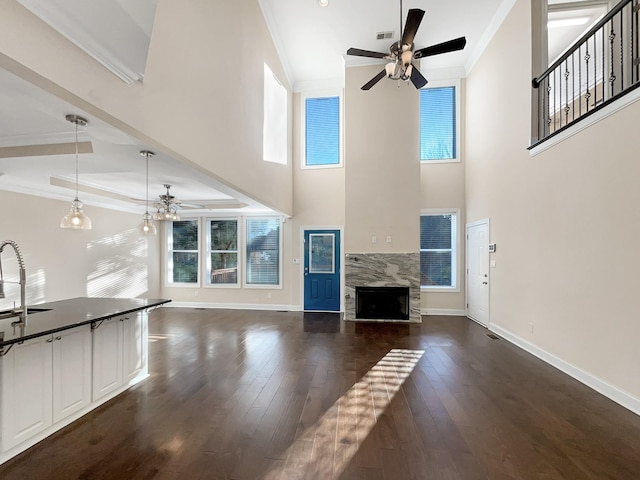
(70, 357)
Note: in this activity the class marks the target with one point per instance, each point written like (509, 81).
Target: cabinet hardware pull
(58, 338)
(49, 340)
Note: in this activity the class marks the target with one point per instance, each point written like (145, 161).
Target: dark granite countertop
(65, 314)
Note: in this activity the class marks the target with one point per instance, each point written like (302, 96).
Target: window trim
(456, 287)
(440, 84)
(168, 250)
(207, 258)
(303, 116)
(245, 242)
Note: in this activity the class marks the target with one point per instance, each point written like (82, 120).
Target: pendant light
(147, 227)
(76, 219)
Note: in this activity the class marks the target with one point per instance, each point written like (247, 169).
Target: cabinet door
(71, 371)
(107, 357)
(26, 390)
(134, 336)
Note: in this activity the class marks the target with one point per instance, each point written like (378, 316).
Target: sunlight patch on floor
(327, 447)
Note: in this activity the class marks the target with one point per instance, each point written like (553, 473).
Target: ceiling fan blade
(374, 80)
(444, 47)
(417, 78)
(365, 53)
(414, 17)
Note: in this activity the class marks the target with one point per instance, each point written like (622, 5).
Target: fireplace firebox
(382, 303)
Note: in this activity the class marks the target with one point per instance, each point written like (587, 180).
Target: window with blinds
(438, 123)
(438, 250)
(183, 252)
(322, 131)
(263, 251)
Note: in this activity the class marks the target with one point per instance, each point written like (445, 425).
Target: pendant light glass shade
(147, 227)
(76, 218)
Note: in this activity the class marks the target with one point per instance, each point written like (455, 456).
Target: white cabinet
(134, 345)
(119, 353)
(71, 371)
(44, 380)
(107, 357)
(26, 390)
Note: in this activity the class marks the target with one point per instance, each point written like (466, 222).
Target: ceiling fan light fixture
(167, 207)
(76, 219)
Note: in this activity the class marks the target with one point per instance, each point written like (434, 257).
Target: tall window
(274, 135)
(183, 248)
(263, 251)
(322, 131)
(438, 123)
(222, 241)
(438, 250)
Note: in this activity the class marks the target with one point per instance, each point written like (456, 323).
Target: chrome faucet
(22, 311)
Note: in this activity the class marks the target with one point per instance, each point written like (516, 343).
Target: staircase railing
(602, 66)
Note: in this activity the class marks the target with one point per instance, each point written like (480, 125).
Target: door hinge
(467, 305)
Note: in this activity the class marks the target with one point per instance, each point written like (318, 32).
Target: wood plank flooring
(285, 395)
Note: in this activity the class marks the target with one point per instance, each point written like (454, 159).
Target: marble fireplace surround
(382, 270)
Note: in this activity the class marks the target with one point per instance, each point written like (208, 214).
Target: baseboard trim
(235, 306)
(613, 393)
(443, 311)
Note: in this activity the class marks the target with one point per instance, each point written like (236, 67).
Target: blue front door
(322, 270)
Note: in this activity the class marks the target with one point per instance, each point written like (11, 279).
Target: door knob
(484, 283)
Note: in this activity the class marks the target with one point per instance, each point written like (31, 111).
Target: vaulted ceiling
(36, 154)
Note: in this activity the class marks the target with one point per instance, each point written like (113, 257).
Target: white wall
(566, 221)
(382, 163)
(442, 186)
(111, 260)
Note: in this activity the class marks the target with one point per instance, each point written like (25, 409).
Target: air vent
(384, 35)
(492, 336)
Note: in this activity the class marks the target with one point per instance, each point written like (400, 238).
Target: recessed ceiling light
(323, 3)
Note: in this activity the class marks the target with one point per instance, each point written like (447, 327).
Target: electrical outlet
(530, 327)
(196, 293)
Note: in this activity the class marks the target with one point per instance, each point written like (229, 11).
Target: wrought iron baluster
(621, 50)
(566, 94)
(612, 76)
(587, 94)
(579, 83)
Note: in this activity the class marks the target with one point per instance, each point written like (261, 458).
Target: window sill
(440, 289)
(448, 160)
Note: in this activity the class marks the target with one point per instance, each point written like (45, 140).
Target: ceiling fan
(402, 53)
(168, 205)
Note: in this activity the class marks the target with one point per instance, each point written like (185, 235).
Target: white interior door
(478, 271)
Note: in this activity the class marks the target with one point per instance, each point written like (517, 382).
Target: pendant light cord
(400, 41)
(147, 156)
(76, 123)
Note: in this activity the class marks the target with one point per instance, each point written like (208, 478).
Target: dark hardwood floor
(283, 395)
